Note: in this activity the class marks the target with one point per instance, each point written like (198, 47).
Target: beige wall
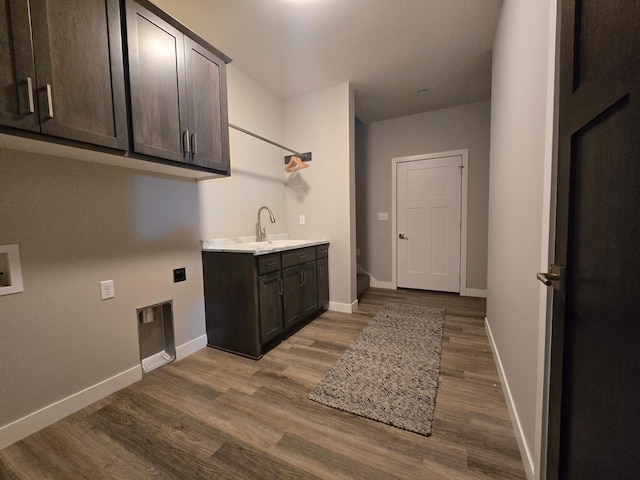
(77, 223)
(323, 122)
(519, 205)
(461, 127)
(229, 205)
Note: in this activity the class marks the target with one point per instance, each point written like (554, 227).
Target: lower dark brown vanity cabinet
(252, 301)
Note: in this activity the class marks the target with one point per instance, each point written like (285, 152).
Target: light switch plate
(383, 216)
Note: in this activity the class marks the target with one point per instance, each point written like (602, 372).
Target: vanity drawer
(268, 263)
(298, 256)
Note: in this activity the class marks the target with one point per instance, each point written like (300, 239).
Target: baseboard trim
(343, 307)
(476, 292)
(525, 453)
(25, 426)
(190, 347)
(379, 284)
(44, 417)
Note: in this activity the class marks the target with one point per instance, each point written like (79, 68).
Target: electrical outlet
(107, 290)
(302, 219)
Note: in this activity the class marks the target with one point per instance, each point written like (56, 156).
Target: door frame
(464, 153)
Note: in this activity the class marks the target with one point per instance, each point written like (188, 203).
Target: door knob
(401, 236)
(554, 278)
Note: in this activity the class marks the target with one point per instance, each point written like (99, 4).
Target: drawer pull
(271, 264)
(301, 257)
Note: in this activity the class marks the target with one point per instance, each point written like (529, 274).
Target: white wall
(229, 205)
(77, 223)
(323, 123)
(519, 205)
(456, 128)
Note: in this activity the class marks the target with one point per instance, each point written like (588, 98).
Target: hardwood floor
(217, 415)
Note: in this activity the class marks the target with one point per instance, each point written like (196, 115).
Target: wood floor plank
(218, 415)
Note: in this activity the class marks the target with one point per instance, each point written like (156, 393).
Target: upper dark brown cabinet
(178, 92)
(75, 47)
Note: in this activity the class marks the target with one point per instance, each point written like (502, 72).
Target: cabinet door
(292, 280)
(269, 292)
(323, 281)
(157, 79)
(78, 55)
(207, 107)
(17, 71)
(308, 291)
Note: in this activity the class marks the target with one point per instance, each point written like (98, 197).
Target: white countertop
(273, 243)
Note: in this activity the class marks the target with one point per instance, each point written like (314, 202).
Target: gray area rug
(390, 372)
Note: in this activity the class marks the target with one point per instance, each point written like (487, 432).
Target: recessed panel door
(594, 426)
(207, 107)
(80, 71)
(428, 223)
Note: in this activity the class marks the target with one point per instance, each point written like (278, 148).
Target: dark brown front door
(594, 410)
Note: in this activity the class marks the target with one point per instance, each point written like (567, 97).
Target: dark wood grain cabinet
(61, 70)
(178, 92)
(322, 274)
(251, 302)
(300, 297)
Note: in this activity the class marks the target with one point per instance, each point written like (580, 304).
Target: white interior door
(428, 223)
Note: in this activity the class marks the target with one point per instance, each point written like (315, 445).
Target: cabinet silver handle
(280, 289)
(185, 141)
(301, 281)
(32, 108)
(49, 101)
(194, 144)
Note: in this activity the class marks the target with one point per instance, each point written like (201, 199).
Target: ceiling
(388, 49)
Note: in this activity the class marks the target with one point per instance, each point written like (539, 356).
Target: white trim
(548, 239)
(44, 417)
(464, 153)
(192, 346)
(475, 292)
(525, 453)
(343, 307)
(375, 283)
(380, 284)
(14, 270)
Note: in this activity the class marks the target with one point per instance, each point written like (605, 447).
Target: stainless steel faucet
(262, 233)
